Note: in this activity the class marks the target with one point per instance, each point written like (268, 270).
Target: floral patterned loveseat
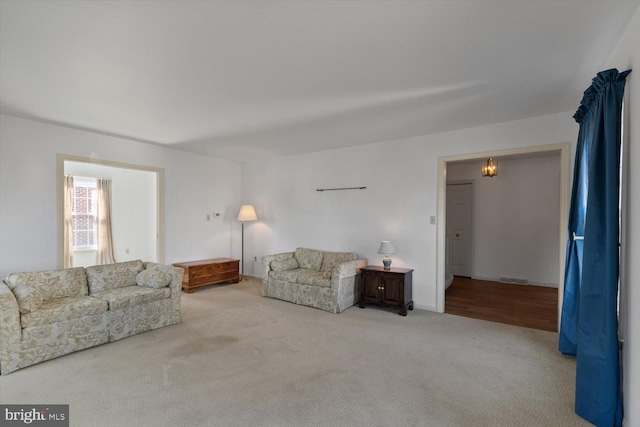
(325, 280)
(47, 314)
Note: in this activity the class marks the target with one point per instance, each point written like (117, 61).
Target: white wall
(516, 218)
(194, 186)
(401, 194)
(133, 211)
(626, 56)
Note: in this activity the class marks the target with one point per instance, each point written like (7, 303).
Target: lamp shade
(386, 247)
(247, 213)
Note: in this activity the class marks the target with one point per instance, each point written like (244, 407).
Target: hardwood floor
(529, 306)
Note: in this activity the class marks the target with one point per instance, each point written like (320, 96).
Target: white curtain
(67, 234)
(105, 238)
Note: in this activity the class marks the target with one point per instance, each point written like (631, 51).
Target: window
(84, 213)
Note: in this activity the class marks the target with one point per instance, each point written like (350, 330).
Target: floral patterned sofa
(325, 280)
(47, 314)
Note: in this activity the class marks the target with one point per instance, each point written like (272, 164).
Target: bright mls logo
(36, 415)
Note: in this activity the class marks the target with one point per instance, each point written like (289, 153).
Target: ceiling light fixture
(489, 167)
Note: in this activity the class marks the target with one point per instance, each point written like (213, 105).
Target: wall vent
(514, 280)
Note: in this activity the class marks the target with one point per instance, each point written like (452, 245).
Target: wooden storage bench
(209, 272)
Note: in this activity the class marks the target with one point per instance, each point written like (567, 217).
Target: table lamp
(386, 248)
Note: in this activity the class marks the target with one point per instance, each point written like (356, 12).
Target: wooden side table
(390, 288)
(209, 272)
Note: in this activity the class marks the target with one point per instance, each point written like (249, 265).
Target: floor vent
(514, 280)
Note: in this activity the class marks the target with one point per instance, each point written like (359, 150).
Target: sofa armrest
(176, 273)
(266, 262)
(10, 331)
(348, 268)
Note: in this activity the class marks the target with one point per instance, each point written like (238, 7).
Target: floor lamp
(247, 213)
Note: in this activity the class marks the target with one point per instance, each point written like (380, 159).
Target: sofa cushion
(153, 279)
(331, 259)
(113, 276)
(61, 309)
(287, 275)
(29, 297)
(288, 264)
(68, 333)
(52, 284)
(131, 295)
(308, 258)
(314, 278)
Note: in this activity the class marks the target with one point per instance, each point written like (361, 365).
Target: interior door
(459, 228)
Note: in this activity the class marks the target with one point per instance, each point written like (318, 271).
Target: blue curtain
(589, 322)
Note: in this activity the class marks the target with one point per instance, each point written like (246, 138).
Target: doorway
(136, 209)
(562, 149)
(515, 232)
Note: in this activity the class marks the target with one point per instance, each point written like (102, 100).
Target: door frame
(565, 168)
(473, 220)
(62, 158)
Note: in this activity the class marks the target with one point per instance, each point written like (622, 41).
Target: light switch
(432, 220)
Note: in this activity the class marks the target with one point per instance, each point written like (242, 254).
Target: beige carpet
(243, 360)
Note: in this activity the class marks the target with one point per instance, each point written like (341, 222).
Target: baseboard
(546, 285)
(425, 307)
(487, 279)
(497, 279)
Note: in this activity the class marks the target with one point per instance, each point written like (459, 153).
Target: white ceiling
(244, 80)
